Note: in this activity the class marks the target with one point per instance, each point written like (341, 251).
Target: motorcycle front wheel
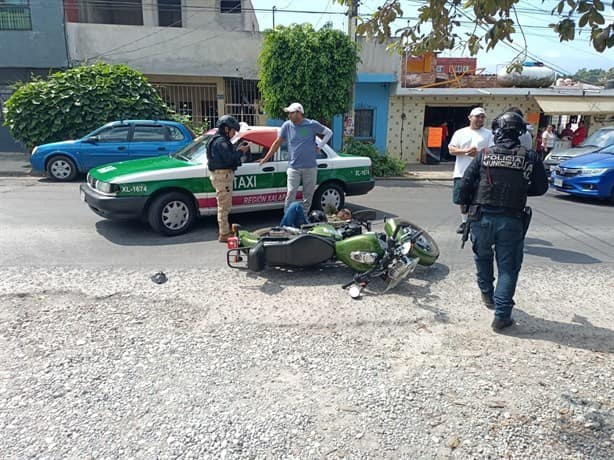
(425, 247)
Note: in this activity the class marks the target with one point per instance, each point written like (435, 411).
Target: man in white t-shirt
(465, 145)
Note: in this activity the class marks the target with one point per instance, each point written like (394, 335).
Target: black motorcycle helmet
(229, 121)
(316, 216)
(508, 127)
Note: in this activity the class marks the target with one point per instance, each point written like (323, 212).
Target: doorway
(435, 116)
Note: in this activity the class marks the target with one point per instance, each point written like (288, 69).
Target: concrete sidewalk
(17, 164)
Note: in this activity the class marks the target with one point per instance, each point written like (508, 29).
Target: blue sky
(543, 43)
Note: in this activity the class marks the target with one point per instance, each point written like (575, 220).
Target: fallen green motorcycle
(390, 255)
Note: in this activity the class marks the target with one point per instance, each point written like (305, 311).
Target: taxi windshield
(194, 152)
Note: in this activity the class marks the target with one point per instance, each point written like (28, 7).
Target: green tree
(436, 27)
(316, 68)
(594, 76)
(69, 104)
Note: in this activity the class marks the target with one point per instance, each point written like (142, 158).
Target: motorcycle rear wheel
(425, 247)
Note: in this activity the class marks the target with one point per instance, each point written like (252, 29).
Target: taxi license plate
(82, 195)
(558, 182)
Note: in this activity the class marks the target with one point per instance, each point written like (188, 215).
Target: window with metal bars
(15, 15)
(197, 101)
(363, 124)
(241, 98)
(124, 12)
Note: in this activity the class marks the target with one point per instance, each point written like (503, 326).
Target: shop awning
(572, 105)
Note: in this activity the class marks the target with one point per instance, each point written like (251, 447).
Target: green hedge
(68, 105)
(383, 165)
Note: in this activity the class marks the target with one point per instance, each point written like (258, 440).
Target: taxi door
(255, 184)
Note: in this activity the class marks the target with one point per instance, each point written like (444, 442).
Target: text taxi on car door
(169, 192)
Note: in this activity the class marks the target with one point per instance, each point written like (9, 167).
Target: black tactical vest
(504, 178)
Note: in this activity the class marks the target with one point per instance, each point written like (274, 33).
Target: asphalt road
(45, 224)
(214, 363)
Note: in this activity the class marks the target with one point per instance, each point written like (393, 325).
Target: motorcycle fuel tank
(359, 252)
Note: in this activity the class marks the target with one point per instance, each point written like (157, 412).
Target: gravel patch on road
(224, 364)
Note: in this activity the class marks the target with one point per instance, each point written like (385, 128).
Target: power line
(527, 53)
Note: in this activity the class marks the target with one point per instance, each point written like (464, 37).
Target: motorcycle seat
(302, 251)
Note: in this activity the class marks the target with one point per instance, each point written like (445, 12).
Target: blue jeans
(294, 216)
(504, 234)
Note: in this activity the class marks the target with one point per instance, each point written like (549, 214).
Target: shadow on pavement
(416, 288)
(543, 248)
(579, 333)
(133, 233)
(580, 199)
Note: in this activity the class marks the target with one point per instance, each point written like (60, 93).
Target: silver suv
(598, 140)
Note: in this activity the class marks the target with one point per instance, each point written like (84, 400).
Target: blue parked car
(115, 141)
(587, 175)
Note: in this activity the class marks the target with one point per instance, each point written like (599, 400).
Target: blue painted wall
(42, 47)
(31, 52)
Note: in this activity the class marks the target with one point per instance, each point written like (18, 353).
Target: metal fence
(197, 101)
(243, 100)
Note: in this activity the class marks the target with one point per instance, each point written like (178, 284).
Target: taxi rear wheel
(171, 214)
(327, 195)
(61, 168)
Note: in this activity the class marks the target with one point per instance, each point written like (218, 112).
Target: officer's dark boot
(499, 324)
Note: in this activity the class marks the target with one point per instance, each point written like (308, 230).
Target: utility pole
(274, 8)
(348, 121)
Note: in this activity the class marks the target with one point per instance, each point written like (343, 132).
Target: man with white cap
(465, 144)
(299, 133)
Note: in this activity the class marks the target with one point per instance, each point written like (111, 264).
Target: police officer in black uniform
(497, 184)
(222, 160)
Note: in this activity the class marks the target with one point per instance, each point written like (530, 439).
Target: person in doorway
(567, 132)
(539, 146)
(222, 161)
(303, 146)
(465, 145)
(496, 185)
(548, 139)
(579, 134)
(445, 133)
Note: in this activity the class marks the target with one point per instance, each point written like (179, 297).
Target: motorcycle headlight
(593, 171)
(405, 248)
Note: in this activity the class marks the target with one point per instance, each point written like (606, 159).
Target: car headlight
(593, 171)
(35, 149)
(106, 187)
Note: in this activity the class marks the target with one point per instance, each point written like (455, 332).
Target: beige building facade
(411, 111)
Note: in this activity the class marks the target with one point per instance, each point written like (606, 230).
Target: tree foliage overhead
(495, 21)
(315, 68)
(594, 76)
(70, 104)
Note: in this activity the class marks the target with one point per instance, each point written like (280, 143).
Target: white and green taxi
(169, 192)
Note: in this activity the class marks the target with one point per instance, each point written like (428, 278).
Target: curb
(416, 178)
(27, 173)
